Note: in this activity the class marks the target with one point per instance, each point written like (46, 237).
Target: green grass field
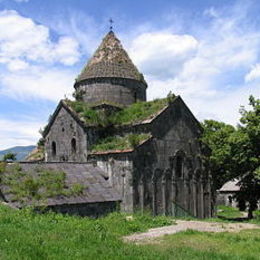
(27, 235)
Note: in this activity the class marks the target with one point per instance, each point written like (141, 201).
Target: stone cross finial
(111, 24)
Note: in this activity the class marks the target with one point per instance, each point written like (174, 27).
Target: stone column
(173, 196)
(141, 185)
(194, 196)
(201, 198)
(164, 195)
(186, 194)
(154, 196)
(207, 198)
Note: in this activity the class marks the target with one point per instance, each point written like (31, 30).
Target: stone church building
(148, 160)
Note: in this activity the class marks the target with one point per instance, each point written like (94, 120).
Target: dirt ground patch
(182, 225)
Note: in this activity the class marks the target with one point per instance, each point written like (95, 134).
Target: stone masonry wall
(169, 174)
(119, 168)
(63, 131)
(112, 90)
(166, 175)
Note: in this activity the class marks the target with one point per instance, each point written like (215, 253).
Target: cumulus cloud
(38, 82)
(13, 133)
(24, 41)
(253, 74)
(36, 66)
(162, 53)
(207, 68)
(33, 67)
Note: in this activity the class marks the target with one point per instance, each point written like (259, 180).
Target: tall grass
(27, 235)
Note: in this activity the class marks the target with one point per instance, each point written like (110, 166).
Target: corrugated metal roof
(96, 188)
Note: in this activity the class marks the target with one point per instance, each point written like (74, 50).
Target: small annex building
(145, 154)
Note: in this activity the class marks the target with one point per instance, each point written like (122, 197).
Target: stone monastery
(126, 152)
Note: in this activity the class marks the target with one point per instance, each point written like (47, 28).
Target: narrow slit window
(73, 145)
(53, 149)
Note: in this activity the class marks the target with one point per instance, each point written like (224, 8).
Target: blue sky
(206, 51)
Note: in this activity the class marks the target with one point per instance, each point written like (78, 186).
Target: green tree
(9, 157)
(216, 136)
(245, 153)
(235, 153)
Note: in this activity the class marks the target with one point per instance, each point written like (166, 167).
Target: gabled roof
(110, 60)
(96, 188)
(148, 120)
(74, 115)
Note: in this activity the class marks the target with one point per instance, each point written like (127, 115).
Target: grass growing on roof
(38, 185)
(132, 114)
(120, 142)
(139, 111)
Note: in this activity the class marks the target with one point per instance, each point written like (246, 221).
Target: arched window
(179, 166)
(53, 149)
(73, 145)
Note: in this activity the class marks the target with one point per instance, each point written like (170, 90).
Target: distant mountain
(20, 151)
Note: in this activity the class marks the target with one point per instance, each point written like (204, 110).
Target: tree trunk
(250, 213)
(251, 208)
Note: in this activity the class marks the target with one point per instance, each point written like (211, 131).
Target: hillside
(20, 151)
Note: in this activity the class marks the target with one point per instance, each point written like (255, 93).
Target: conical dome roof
(110, 60)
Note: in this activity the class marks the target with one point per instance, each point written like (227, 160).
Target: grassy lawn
(25, 235)
(228, 212)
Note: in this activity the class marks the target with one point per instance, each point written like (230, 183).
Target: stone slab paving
(182, 225)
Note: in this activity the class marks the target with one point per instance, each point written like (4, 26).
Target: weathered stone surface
(110, 76)
(165, 174)
(110, 60)
(59, 145)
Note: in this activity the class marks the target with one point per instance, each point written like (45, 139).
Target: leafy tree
(245, 153)
(9, 157)
(236, 153)
(216, 135)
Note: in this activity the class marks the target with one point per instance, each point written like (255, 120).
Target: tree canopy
(9, 157)
(236, 153)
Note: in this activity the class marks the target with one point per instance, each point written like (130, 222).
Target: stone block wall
(119, 168)
(112, 90)
(67, 140)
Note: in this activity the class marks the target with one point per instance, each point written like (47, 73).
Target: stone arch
(177, 164)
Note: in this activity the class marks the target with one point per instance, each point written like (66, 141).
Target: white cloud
(21, 39)
(13, 133)
(207, 68)
(253, 74)
(162, 53)
(36, 65)
(38, 82)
